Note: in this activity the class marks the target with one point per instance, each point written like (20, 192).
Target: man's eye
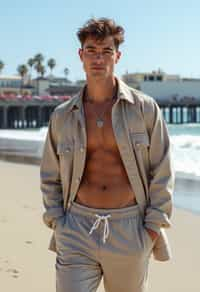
(90, 51)
(108, 52)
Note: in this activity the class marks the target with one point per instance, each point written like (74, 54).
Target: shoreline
(21, 159)
(29, 158)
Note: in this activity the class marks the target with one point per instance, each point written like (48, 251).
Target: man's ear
(80, 52)
(118, 56)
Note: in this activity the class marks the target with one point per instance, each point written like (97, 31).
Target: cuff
(153, 227)
(54, 222)
(50, 217)
(156, 218)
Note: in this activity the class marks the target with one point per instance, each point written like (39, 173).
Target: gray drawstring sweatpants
(92, 243)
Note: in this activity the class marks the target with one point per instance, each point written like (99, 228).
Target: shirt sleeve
(50, 181)
(161, 183)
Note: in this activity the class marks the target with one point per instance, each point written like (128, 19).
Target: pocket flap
(62, 148)
(140, 138)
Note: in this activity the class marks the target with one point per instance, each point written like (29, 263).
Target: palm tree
(51, 64)
(30, 63)
(66, 72)
(22, 70)
(39, 58)
(40, 69)
(1, 65)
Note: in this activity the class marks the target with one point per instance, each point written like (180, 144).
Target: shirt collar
(123, 92)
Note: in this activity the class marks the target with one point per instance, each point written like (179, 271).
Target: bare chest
(99, 135)
(104, 183)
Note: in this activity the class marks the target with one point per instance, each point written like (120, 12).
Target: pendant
(99, 123)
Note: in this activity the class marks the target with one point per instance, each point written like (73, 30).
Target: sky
(158, 34)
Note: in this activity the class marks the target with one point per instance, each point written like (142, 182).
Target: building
(14, 85)
(54, 86)
(165, 87)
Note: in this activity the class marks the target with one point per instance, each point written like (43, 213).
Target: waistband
(129, 211)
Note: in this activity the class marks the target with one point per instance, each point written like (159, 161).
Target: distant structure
(26, 103)
(14, 85)
(178, 98)
(54, 86)
(27, 111)
(164, 87)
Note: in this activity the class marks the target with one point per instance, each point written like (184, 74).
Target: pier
(180, 112)
(26, 114)
(35, 113)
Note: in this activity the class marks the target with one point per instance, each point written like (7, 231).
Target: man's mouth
(97, 68)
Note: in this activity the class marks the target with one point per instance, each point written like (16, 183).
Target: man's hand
(154, 235)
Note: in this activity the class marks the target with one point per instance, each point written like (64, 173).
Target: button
(82, 149)
(67, 150)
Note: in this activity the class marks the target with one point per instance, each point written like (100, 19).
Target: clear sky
(158, 34)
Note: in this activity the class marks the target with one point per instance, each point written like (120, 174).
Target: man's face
(99, 57)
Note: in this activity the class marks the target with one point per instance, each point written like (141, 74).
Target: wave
(185, 153)
(185, 141)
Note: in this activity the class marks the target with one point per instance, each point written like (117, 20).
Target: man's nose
(99, 57)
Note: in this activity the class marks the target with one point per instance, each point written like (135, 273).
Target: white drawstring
(106, 226)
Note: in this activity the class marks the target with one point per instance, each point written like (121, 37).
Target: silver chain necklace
(100, 120)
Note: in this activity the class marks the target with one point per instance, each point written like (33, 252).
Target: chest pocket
(140, 140)
(65, 152)
(140, 143)
(64, 149)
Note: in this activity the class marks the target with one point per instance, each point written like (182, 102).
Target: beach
(26, 264)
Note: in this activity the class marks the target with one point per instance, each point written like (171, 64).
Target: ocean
(185, 141)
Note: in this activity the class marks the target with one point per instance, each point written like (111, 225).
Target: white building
(172, 89)
(51, 85)
(162, 86)
(13, 85)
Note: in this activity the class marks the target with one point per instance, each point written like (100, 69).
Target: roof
(10, 77)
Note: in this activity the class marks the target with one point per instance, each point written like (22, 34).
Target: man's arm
(159, 208)
(50, 181)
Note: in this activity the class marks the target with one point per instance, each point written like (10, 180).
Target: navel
(104, 188)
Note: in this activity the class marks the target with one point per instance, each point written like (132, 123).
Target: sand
(26, 264)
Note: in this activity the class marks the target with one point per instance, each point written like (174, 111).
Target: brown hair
(99, 29)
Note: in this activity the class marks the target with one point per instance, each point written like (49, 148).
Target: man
(106, 175)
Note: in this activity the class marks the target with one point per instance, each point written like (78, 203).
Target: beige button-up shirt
(143, 141)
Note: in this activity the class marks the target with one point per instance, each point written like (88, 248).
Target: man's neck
(101, 90)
